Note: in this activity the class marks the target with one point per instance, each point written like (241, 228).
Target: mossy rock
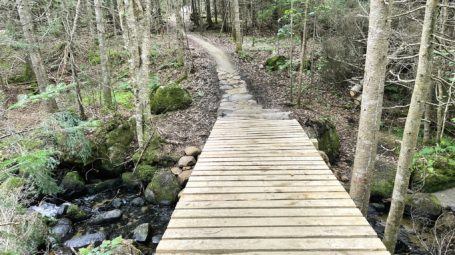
(145, 172)
(152, 153)
(75, 213)
(130, 180)
(165, 187)
(383, 179)
(441, 177)
(423, 206)
(328, 139)
(13, 183)
(72, 184)
(169, 98)
(274, 63)
(25, 75)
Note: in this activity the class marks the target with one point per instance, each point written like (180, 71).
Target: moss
(13, 183)
(165, 186)
(75, 213)
(169, 98)
(72, 183)
(130, 180)
(329, 141)
(145, 172)
(124, 98)
(152, 154)
(25, 75)
(383, 179)
(423, 205)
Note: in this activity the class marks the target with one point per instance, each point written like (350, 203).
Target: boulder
(176, 170)
(149, 195)
(383, 179)
(423, 206)
(152, 154)
(141, 232)
(86, 240)
(187, 161)
(130, 180)
(439, 176)
(107, 217)
(165, 186)
(183, 177)
(117, 203)
(72, 185)
(101, 186)
(138, 202)
(192, 151)
(169, 98)
(328, 140)
(46, 209)
(75, 213)
(62, 230)
(145, 172)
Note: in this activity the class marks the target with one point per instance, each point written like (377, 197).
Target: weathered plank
(329, 203)
(264, 196)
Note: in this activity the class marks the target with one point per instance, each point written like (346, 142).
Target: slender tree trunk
(25, 16)
(208, 9)
(89, 17)
(180, 33)
(427, 117)
(372, 99)
(113, 16)
(303, 49)
(441, 92)
(215, 9)
(121, 17)
(238, 31)
(412, 126)
(105, 84)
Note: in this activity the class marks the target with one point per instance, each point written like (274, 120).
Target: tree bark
(25, 16)
(215, 11)
(303, 49)
(105, 84)
(208, 10)
(180, 33)
(89, 13)
(412, 126)
(238, 31)
(371, 102)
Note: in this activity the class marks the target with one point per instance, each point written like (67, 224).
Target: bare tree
(106, 80)
(372, 99)
(237, 27)
(412, 126)
(25, 16)
(303, 50)
(180, 32)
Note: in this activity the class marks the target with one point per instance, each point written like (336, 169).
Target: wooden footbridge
(260, 187)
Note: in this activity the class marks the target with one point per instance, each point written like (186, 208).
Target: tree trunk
(25, 16)
(427, 117)
(113, 16)
(412, 126)
(180, 33)
(303, 49)
(238, 31)
(105, 84)
(121, 17)
(215, 11)
(208, 10)
(89, 13)
(371, 103)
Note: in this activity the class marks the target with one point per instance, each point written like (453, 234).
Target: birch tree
(105, 74)
(412, 126)
(372, 99)
(180, 32)
(237, 27)
(26, 20)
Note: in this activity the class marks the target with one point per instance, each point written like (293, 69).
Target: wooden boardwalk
(260, 187)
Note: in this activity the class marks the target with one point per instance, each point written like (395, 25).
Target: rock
(169, 98)
(117, 203)
(156, 239)
(447, 198)
(72, 185)
(324, 157)
(328, 140)
(383, 179)
(130, 180)
(103, 186)
(187, 161)
(107, 217)
(85, 240)
(63, 209)
(152, 153)
(145, 172)
(440, 175)
(62, 230)
(183, 177)
(46, 209)
(149, 195)
(274, 63)
(12, 183)
(75, 213)
(138, 201)
(126, 247)
(344, 178)
(423, 206)
(187, 168)
(192, 151)
(165, 186)
(176, 170)
(141, 232)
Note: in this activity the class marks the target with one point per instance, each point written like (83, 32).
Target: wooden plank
(261, 184)
(316, 159)
(268, 232)
(269, 212)
(249, 154)
(264, 196)
(331, 203)
(226, 190)
(284, 177)
(213, 172)
(260, 148)
(314, 252)
(267, 222)
(321, 166)
(220, 246)
(259, 162)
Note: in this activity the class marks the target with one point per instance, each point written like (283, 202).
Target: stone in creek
(107, 217)
(156, 239)
(149, 196)
(85, 240)
(187, 161)
(176, 170)
(187, 168)
(62, 230)
(138, 201)
(192, 151)
(46, 209)
(141, 232)
(183, 177)
(117, 203)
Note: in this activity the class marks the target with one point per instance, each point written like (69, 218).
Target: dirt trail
(237, 101)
